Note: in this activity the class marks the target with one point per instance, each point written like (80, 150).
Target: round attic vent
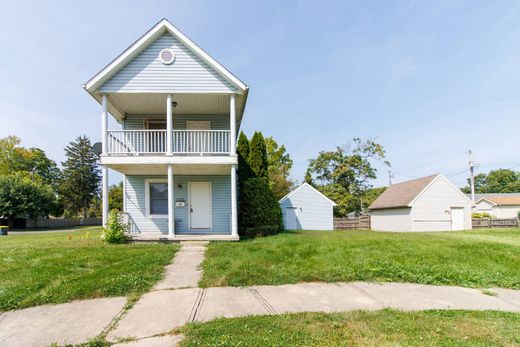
(167, 56)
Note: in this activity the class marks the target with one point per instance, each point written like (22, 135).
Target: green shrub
(260, 207)
(480, 215)
(264, 230)
(115, 232)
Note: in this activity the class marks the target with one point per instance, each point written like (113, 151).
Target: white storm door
(291, 218)
(200, 205)
(457, 218)
(198, 141)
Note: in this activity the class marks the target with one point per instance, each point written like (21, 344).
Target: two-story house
(179, 111)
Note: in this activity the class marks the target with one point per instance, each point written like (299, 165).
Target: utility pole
(471, 173)
(390, 176)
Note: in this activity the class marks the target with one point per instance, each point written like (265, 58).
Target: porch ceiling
(179, 169)
(122, 104)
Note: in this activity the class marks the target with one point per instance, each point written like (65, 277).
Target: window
(159, 198)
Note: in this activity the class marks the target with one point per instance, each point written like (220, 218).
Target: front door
(200, 205)
(457, 218)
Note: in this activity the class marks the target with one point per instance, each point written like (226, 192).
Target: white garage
(430, 203)
(305, 208)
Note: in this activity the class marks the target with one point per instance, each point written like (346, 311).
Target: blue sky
(427, 79)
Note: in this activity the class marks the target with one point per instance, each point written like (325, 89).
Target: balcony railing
(201, 142)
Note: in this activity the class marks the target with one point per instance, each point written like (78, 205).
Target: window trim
(147, 183)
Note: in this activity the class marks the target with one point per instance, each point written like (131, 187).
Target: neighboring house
(179, 111)
(498, 205)
(430, 203)
(305, 208)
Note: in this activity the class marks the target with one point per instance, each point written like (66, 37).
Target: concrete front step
(158, 237)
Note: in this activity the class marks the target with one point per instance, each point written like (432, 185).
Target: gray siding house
(429, 203)
(305, 208)
(179, 112)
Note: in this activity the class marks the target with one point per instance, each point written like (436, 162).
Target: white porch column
(234, 215)
(104, 197)
(104, 122)
(171, 216)
(232, 124)
(169, 124)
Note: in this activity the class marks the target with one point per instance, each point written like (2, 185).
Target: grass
(56, 267)
(380, 328)
(480, 258)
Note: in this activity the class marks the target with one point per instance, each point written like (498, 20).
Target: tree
(260, 206)
(258, 155)
(344, 175)
(244, 170)
(115, 197)
(257, 204)
(496, 181)
(80, 181)
(279, 168)
(22, 195)
(14, 158)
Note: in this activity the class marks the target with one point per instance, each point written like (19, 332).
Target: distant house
(505, 205)
(430, 203)
(305, 208)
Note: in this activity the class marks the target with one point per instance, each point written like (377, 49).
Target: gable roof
(402, 194)
(144, 41)
(501, 200)
(305, 184)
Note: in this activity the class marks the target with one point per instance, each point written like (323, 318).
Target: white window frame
(147, 183)
(190, 122)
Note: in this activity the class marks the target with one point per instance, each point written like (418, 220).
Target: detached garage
(305, 208)
(430, 203)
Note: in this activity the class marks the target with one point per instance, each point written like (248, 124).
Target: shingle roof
(401, 194)
(501, 199)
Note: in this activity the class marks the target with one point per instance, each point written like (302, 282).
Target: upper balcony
(155, 142)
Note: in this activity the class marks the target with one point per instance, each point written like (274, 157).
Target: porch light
(174, 103)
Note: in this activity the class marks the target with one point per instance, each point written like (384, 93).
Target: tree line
(33, 186)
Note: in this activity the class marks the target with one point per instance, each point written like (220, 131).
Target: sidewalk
(176, 300)
(162, 311)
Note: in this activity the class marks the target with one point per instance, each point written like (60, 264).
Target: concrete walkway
(160, 312)
(177, 300)
(184, 271)
(71, 323)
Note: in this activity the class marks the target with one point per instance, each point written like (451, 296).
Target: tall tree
(15, 158)
(244, 170)
(279, 168)
(80, 181)
(258, 155)
(496, 181)
(23, 195)
(344, 175)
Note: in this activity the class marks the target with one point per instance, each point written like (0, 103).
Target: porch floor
(154, 237)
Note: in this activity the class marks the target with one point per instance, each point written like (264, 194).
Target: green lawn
(380, 328)
(480, 258)
(55, 267)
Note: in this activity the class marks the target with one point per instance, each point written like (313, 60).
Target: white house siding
(135, 204)
(314, 211)
(431, 210)
(186, 74)
(217, 122)
(505, 211)
(484, 206)
(391, 219)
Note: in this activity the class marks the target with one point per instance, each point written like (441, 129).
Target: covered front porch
(178, 202)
